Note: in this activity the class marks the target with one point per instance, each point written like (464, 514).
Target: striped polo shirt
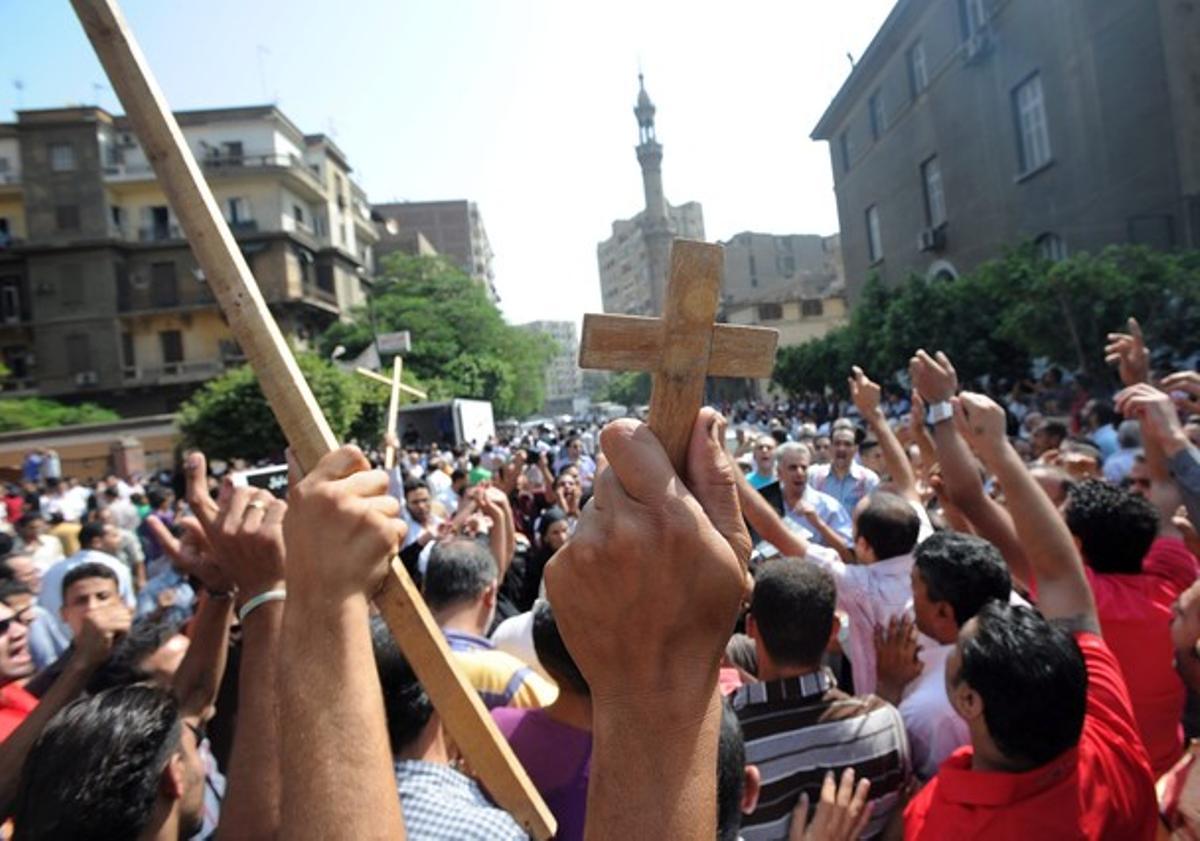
(796, 729)
(500, 679)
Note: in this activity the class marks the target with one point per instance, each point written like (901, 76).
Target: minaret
(656, 225)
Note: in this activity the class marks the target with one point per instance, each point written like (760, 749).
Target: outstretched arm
(1062, 586)
(340, 531)
(765, 520)
(866, 396)
(937, 382)
(674, 555)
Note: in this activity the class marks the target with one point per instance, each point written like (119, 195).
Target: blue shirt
(857, 483)
(757, 480)
(168, 579)
(439, 804)
(829, 510)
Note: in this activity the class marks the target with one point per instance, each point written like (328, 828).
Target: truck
(448, 423)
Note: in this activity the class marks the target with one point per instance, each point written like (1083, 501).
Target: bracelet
(220, 594)
(939, 412)
(258, 601)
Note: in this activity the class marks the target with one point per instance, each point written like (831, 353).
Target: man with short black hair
(796, 721)
(1048, 435)
(460, 587)
(953, 576)
(438, 801)
(843, 478)
(99, 542)
(33, 540)
(1136, 576)
(121, 764)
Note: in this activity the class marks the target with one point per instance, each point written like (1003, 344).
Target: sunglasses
(200, 731)
(25, 617)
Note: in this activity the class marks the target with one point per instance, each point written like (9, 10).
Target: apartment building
(454, 229)
(100, 296)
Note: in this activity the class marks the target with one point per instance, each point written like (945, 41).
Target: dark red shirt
(1100, 789)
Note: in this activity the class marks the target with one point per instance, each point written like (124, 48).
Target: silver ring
(257, 504)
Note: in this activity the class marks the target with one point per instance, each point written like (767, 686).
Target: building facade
(100, 296)
(564, 379)
(634, 260)
(759, 263)
(972, 125)
(454, 229)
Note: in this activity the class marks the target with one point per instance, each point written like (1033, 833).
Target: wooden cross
(389, 450)
(681, 348)
(467, 721)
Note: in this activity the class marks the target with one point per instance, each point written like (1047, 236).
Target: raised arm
(866, 396)
(502, 540)
(673, 557)
(1063, 590)
(765, 520)
(340, 530)
(937, 382)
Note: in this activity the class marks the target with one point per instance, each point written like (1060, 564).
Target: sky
(524, 106)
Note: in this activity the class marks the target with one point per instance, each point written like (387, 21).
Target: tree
(994, 321)
(230, 418)
(629, 388)
(461, 345)
(37, 413)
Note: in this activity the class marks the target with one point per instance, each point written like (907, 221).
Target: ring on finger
(256, 504)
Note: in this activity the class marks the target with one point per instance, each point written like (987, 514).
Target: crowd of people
(920, 615)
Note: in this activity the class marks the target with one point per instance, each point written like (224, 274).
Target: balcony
(10, 184)
(159, 233)
(172, 372)
(292, 167)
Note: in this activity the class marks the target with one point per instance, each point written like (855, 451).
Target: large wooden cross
(305, 427)
(682, 348)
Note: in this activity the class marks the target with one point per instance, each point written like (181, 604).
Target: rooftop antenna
(850, 58)
(19, 84)
(97, 87)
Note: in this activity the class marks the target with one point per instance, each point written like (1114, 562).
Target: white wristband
(258, 601)
(939, 412)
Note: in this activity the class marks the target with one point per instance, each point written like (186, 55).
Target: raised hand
(1185, 390)
(842, 814)
(1156, 413)
(981, 422)
(191, 554)
(102, 627)
(934, 377)
(1128, 352)
(865, 394)
(896, 660)
(341, 528)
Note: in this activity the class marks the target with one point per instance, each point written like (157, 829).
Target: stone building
(564, 380)
(100, 296)
(453, 228)
(971, 125)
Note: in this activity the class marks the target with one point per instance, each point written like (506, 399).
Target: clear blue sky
(523, 106)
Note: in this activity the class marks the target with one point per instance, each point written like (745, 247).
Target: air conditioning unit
(932, 239)
(86, 378)
(978, 44)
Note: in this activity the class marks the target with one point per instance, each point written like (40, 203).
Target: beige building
(100, 296)
(758, 263)
(633, 261)
(453, 229)
(564, 380)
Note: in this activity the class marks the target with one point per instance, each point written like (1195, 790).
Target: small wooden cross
(389, 451)
(681, 348)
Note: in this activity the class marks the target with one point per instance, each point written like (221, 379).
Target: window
(878, 118)
(164, 286)
(1033, 135)
(785, 264)
(10, 300)
(66, 217)
(770, 312)
(325, 277)
(5, 232)
(17, 359)
(70, 286)
(117, 215)
(171, 342)
(62, 157)
(918, 76)
(935, 198)
(231, 152)
(812, 308)
(298, 214)
(237, 211)
(753, 271)
(4, 166)
(128, 356)
(79, 353)
(156, 223)
(874, 236)
(974, 17)
(844, 149)
(1051, 247)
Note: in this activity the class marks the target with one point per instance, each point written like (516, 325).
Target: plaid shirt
(440, 804)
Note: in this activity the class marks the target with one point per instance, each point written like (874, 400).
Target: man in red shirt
(1055, 751)
(1136, 578)
(16, 664)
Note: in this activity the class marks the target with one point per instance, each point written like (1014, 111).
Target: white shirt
(870, 594)
(51, 596)
(935, 730)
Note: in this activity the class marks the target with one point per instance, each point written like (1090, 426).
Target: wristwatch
(939, 412)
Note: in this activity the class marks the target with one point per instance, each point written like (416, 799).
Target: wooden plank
(389, 449)
(630, 343)
(292, 401)
(380, 378)
(693, 291)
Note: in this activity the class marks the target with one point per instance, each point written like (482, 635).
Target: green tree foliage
(37, 413)
(996, 320)
(230, 417)
(629, 388)
(461, 345)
